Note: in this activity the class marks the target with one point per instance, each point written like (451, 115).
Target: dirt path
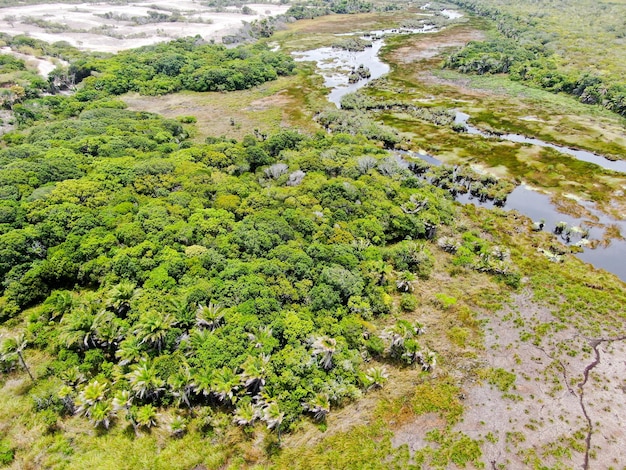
(44, 65)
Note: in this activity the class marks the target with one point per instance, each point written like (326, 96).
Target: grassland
(585, 35)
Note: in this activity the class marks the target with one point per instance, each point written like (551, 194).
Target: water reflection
(606, 253)
(335, 64)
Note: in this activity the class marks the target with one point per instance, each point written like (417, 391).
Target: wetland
(322, 249)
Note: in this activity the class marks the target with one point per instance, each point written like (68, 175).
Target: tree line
(525, 54)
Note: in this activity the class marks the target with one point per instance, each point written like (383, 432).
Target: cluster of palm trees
(138, 385)
(134, 395)
(403, 345)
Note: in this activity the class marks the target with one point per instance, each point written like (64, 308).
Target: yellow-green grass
(280, 103)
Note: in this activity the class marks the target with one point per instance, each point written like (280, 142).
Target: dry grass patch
(234, 114)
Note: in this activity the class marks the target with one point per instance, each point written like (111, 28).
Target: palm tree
(246, 413)
(202, 381)
(405, 280)
(376, 377)
(177, 426)
(146, 416)
(428, 360)
(122, 400)
(60, 303)
(398, 335)
(144, 380)
(91, 403)
(8, 356)
(153, 327)
(72, 376)
(324, 348)
(78, 328)
(413, 205)
(272, 416)
(209, 316)
(261, 336)
(412, 351)
(20, 345)
(183, 312)
(379, 272)
(225, 384)
(197, 338)
(100, 414)
(181, 386)
(120, 297)
(254, 370)
(16, 346)
(129, 351)
(109, 330)
(319, 405)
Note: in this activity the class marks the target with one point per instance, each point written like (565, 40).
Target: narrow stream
(583, 155)
(608, 253)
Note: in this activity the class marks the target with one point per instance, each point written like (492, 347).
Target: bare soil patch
(432, 45)
(562, 409)
(43, 65)
(338, 24)
(233, 114)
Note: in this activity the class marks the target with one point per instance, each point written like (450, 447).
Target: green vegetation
(315, 9)
(539, 41)
(239, 277)
(184, 64)
(278, 296)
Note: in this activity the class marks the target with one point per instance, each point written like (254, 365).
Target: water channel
(608, 253)
(335, 64)
(583, 155)
(604, 252)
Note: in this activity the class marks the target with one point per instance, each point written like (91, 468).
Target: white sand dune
(87, 31)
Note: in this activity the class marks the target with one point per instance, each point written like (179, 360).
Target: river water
(607, 253)
(335, 64)
(585, 156)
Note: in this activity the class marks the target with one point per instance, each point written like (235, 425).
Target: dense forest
(242, 276)
(223, 274)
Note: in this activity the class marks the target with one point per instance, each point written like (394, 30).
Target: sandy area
(429, 46)
(565, 407)
(85, 30)
(44, 65)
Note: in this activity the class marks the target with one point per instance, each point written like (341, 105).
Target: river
(608, 253)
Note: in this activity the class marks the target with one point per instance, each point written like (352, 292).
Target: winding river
(608, 253)
(583, 155)
(335, 64)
